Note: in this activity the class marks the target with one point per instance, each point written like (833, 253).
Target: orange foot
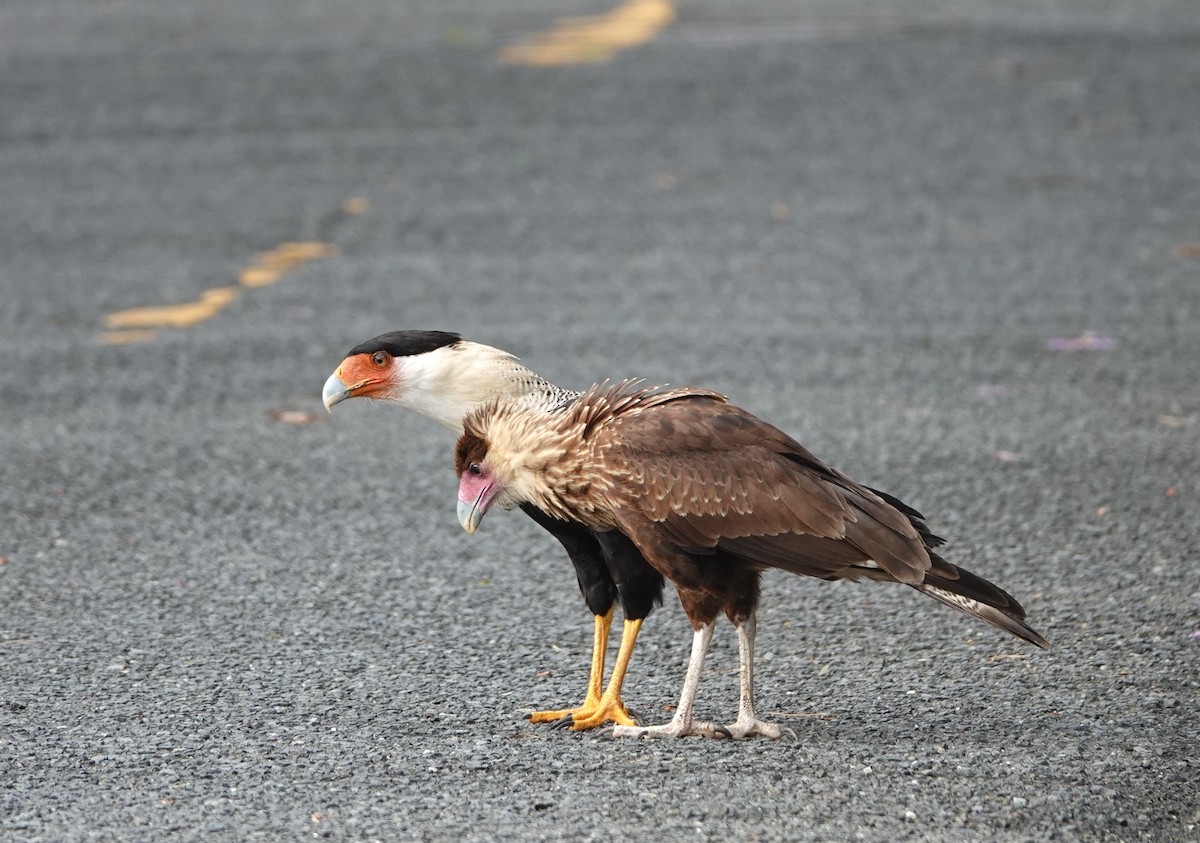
(589, 705)
(610, 709)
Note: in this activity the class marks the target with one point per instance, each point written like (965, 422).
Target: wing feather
(711, 474)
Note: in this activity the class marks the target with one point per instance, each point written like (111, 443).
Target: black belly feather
(608, 566)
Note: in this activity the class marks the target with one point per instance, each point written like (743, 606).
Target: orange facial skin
(362, 376)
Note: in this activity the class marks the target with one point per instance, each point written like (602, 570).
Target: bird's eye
(380, 358)
(475, 469)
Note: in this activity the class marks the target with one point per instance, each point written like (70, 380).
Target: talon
(723, 732)
(619, 731)
(556, 716)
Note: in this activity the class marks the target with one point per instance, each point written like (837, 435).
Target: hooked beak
(335, 391)
(471, 512)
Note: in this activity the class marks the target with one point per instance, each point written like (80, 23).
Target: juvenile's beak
(469, 516)
(470, 513)
(335, 391)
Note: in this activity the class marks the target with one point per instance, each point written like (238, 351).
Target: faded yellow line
(139, 324)
(272, 265)
(210, 303)
(593, 39)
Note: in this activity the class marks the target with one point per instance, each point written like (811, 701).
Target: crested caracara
(711, 496)
(444, 377)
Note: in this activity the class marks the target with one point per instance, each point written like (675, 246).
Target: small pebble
(1019, 802)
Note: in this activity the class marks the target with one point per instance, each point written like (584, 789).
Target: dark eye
(475, 469)
(381, 358)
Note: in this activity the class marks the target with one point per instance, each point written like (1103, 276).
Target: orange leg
(610, 708)
(595, 680)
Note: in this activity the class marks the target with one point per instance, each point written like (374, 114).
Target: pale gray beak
(470, 513)
(334, 392)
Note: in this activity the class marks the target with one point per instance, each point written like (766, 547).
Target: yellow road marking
(273, 264)
(137, 324)
(259, 276)
(286, 256)
(183, 315)
(593, 39)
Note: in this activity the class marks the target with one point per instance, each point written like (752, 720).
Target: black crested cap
(405, 343)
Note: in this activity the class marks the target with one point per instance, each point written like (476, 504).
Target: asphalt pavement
(952, 247)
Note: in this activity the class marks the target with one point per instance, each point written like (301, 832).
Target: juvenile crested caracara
(711, 496)
(444, 377)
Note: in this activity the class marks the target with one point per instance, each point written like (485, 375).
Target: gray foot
(753, 728)
(673, 729)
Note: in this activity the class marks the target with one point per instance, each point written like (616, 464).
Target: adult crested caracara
(444, 377)
(711, 496)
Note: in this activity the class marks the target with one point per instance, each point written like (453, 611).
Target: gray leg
(747, 724)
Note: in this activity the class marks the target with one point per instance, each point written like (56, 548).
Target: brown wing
(710, 475)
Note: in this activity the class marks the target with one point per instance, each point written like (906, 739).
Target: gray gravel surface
(225, 615)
